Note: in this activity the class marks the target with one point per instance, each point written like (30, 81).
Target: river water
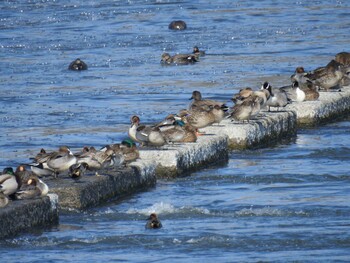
(289, 202)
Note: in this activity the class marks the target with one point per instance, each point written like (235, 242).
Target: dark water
(287, 203)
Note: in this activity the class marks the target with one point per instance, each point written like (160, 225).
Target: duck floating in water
(177, 25)
(179, 59)
(78, 65)
(153, 222)
(197, 52)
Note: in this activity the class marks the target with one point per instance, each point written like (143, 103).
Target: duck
(343, 58)
(197, 52)
(299, 76)
(310, 90)
(177, 25)
(9, 181)
(199, 118)
(327, 77)
(250, 107)
(4, 200)
(77, 170)
(294, 92)
(145, 135)
(41, 169)
(105, 157)
(153, 222)
(179, 59)
(130, 151)
(179, 132)
(198, 101)
(78, 65)
(87, 155)
(23, 174)
(61, 161)
(278, 98)
(34, 188)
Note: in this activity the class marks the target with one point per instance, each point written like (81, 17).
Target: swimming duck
(343, 58)
(145, 135)
(77, 170)
(9, 182)
(153, 222)
(327, 77)
(4, 200)
(77, 65)
(294, 92)
(34, 188)
(177, 25)
(197, 52)
(61, 161)
(278, 98)
(198, 102)
(179, 59)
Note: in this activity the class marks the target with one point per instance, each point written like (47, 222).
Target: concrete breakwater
(176, 159)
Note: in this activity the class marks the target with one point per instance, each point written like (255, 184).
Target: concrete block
(265, 130)
(175, 159)
(330, 106)
(93, 189)
(22, 215)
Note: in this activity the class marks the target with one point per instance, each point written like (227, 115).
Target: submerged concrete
(22, 215)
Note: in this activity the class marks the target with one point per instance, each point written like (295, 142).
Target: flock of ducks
(180, 127)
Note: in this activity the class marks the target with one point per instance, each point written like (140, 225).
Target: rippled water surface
(286, 203)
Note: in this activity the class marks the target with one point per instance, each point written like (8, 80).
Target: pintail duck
(116, 155)
(198, 52)
(179, 59)
(245, 93)
(177, 25)
(294, 92)
(34, 188)
(278, 98)
(61, 161)
(153, 222)
(9, 182)
(4, 200)
(327, 77)
(146, 135)
(77, 65)
(343, 58)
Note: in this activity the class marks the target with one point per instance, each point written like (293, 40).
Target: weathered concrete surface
(330, 106)
(93, 189)
(266, 129)
(176, 159)
(22, 215)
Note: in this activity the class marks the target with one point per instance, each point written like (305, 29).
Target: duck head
(196, 96)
